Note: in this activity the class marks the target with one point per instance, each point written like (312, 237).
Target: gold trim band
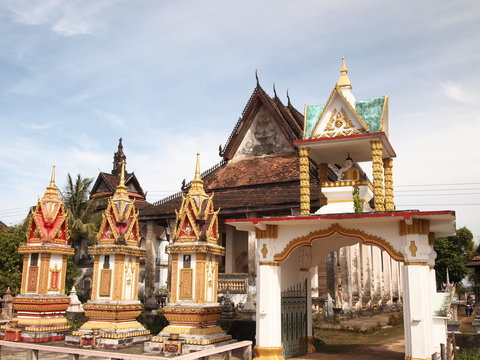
(268, 353)
(268, 263)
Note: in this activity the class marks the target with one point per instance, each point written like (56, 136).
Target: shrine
(42, 302)
(337, 136)
(114, 305)
(193, 309)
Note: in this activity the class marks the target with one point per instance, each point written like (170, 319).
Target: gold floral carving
(32, 279)
(304, 181)
(44, 272)
(174, 278)
(186, 284)
(195, 248)
(417, 226)
(336, 228)
(63, 274)
(105, 282)
(135, 284)
(23, 287)
(96, 260)
(271, 232)
(118, 277)
(44, 249)
(268, 353)
(413, 249)
(377, 166)
(200, 278)
(116, 249)
(264, 251)
(388, 172)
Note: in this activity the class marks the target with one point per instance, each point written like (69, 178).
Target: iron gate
(294, 320)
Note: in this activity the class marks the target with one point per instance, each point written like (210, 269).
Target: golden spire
(52, 189)
(121, 188)
(197, 182)
(344, 80)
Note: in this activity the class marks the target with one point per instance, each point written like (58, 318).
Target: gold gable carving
(336, 228)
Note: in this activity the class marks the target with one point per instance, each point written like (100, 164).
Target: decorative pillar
(377, 166)
(193, 310)
(42, 303)
(114, 304)
(304, 181)
(417, 293)
(269, 312)
(150, 258)
(387, 169)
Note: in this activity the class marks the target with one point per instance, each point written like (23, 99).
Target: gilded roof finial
(121, 188)
(197, 182)
(344, 80)
(52, 188)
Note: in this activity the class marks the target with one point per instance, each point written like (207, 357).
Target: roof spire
(274, 91)
(256, 77)
(121, 188)
(52, 188)
(197, 182)
(118, 158)
(288, 99)
(344, 80)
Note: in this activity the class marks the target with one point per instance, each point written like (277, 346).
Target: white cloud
(62, 16)
(459, 93)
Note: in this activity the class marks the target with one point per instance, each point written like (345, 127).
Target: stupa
(42, 302)
(193, 309)
(114, 304)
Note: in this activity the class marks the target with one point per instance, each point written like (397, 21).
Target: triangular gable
(286, 129)
(102, 185)
(263, 137)
(337, 118)
(374, 112)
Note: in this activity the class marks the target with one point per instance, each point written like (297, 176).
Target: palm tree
(82, 222)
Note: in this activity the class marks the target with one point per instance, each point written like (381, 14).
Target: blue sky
(172, 78)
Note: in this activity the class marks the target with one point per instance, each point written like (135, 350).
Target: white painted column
(269, 310)
(417, 312)
(229, 234)
(314, 280)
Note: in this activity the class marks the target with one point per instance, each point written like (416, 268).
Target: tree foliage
(453, 252)
(10, 260)
(82, 222)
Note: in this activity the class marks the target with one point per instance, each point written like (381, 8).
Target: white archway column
(269, 312)
(417, 290)
(269, 296)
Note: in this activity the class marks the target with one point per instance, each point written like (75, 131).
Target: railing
(235, 283)
(74, 353)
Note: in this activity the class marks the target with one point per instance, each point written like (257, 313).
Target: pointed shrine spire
(197, 182)
(52, 189)
(121, 188)
(344, 80)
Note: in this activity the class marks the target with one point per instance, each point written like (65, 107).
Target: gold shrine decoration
(418, 226)
(336, 228)
(304, 181)
(105, 282)
(186, 284)
(200, 263)
(271, 232)
(413, 249)
(173, 277)
(387, 169)
(377, 166)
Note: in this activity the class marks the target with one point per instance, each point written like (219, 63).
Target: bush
(155, 323)
(465, 356)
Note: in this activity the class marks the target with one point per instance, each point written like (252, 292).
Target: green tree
(82, 224)
(453, 252)
(10, 260)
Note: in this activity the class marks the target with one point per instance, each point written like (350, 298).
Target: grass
(337, 341)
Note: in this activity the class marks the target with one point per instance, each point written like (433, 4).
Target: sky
(172, 78)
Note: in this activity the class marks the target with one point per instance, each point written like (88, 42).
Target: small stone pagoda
(42, 302)
(193, 309)
(114, 305)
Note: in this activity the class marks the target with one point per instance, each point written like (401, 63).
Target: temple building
(258, 175)
(42, 302)
(114, 303)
